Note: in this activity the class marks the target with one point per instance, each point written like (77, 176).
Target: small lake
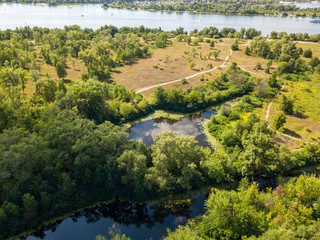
(93, 16)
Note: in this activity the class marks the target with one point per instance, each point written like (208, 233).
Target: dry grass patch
(168, 64)
(248, 63)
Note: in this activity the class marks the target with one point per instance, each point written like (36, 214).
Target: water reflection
(145, 131)
(152, 219)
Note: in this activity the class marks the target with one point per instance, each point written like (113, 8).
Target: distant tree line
(222, 7)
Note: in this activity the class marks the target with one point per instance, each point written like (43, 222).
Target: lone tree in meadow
(286, 104)
(216, 53)
(192, 64)
(279, 121)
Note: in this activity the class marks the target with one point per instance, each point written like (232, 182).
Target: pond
(93, 16)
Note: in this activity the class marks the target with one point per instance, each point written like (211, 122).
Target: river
(93, 16)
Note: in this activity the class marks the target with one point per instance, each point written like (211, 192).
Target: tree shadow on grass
(291, 133)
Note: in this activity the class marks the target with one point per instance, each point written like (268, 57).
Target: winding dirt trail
(188, 77)
(267, 116)
(194, 75)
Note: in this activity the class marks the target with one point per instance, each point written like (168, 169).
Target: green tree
(176, 161)
(307, 53)
(189, 40)
(279, 121)
(133, 167)
(192, 64)
(29, 201)
(212, 43)
(235, 46)
(46, 88)
(216, 53)
(286, 104)
(260, 152)
(61, 70)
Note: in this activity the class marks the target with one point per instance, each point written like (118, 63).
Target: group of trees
(251, 145)
(231, 84)
(286, 53)
(290, 211)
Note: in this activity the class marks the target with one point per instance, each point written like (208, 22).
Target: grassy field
(306, 95)
(171, 63)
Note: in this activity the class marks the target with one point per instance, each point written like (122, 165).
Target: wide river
(93, 16)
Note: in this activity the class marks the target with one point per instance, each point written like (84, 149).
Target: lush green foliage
(290, 211)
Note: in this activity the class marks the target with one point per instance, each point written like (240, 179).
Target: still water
(145, 131)
(93, 16)
(140, 222)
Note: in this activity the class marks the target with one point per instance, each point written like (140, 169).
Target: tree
(260, 153)
(269, 63)
(192, 64)
(216, 53)
(286, 104)
(279, 121)
(307, 53)
(133, 167)
(235, 47)
(258, 66)
(29, 201)
(195, 41)
(247, 51)
(176, 161)
(159, 96)
(161, 39)
(211, 43)
(46, 88)
(232, 215)
(61, 70)
(183, 80)
(284, 68)
(188, 40)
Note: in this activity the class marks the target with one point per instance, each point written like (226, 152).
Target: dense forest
(64, 146)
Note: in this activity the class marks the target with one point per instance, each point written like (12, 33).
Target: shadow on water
(138, 221)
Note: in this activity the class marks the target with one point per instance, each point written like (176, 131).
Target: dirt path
(188, 77)
(269, 105)
(267, 116)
